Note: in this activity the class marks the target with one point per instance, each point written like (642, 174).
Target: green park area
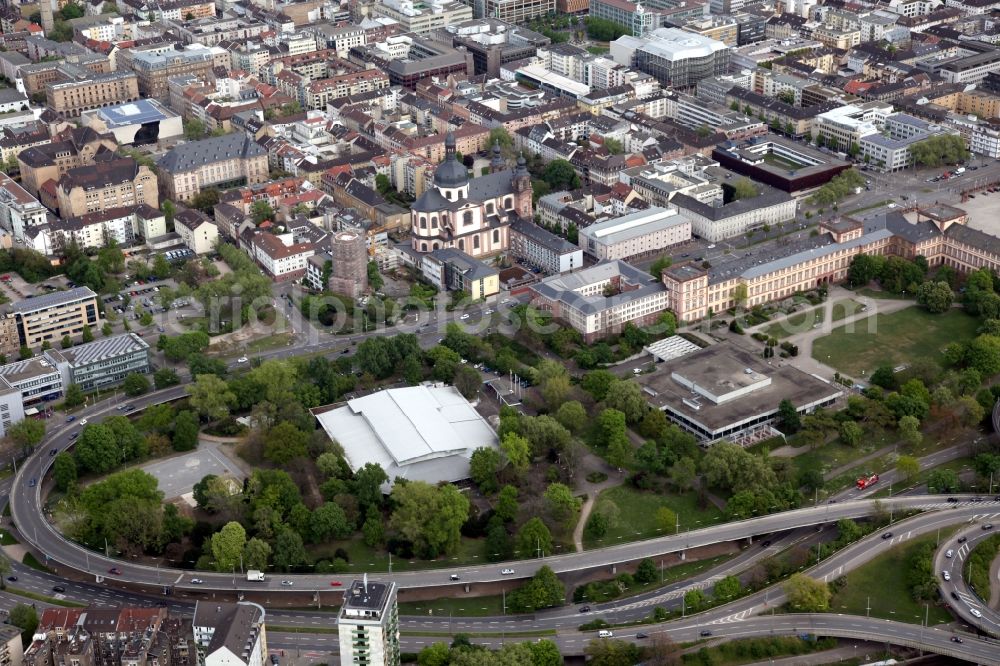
(892, 339)
(636, 514)
(800, 322)
(884, 587)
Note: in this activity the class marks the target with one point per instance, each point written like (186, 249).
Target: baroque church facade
(472, 215)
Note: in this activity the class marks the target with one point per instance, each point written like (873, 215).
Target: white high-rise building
(369, 624)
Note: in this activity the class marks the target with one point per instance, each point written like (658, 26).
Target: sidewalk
(865, 651)
(994, 601)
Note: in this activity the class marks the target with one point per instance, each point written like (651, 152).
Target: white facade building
(635, 235)
(368, 624)
(229, 634)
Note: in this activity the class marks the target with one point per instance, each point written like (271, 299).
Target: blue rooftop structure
(133, 113)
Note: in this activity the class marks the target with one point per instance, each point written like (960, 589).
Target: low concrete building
(102, 363)
(636, 235)
(724, 391)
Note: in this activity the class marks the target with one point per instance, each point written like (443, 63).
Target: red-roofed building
(280, 257)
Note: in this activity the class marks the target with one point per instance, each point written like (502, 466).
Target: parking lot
(177, 475)
(984, 212)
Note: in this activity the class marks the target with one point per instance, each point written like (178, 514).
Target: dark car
(642, 634)
(962, 539)
(70, 419)
(954, 595)
(12, 579)
(705, 632)
(887, 535)
(53, 452)
(584, 609)
(58, 588)
(988, 526)
(115, 570)
(33, 483)
(274, 659)
(956, 639)
(952, 499)
(765, 544)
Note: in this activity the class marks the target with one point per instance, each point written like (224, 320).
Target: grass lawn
(32, 561)
(958, 465)
(6, 538)
(363, 558)
(801, 322)
(827, 457)
(893, 339)
(882, 582)
(637, 514)
(879, 294)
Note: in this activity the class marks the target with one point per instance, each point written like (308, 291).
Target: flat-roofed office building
(52, 316)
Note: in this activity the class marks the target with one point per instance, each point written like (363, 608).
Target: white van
(605, 633)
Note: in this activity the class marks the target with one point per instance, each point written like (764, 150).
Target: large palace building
(471, 215)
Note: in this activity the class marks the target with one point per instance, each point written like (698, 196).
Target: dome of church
(450, 173)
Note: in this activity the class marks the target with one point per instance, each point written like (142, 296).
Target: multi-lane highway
(951, 557)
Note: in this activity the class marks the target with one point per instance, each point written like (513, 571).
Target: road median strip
(44, 598)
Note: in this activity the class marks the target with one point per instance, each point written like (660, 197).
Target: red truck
(866, 481)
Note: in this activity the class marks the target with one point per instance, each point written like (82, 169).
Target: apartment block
(153, 67)
(73, 97)
(117, 183)
(368, 624)
(281, 257)
(199, 233)
(54, 315)
(542, 249)
(421, 18)
(19, 211)
(228, 634)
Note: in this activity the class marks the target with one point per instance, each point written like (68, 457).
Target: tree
(666, 520)
(194, 129)
(627, 398)
(597, 383)
(64, 471)
(206, 200)
(908, 467)
(25, 618)
(943, 481)
(165, 377)
(227, 546)
(435, 654)
(788, 417)
(468, 381)
(851, 433)
(938, 150)
(185, 435)
(559, 174)
(507, 506)
(289, 551)
(534, 539)
(657, 267)
(211, 396)
(807, 595)
(561, 502)
(544, 590)
(683, 473)
(261, 211)
(368, 485)
(728, 588)
(374, 277)
(484, 466)
(74, 396)
(517, 450)
(256, 554)
(329, 522)
(285, 442)
(983, 354)
(695, 599)
(66, 342)
(373, 529)
(430, 517)
(909, 428)
(936, 297)
(885, 377)
(572, 416)
(27, 433)
(744, 189)
(135, 384)
(96, 449)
